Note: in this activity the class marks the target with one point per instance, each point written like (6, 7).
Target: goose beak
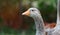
(27, 13)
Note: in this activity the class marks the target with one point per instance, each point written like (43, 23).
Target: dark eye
(32, 10)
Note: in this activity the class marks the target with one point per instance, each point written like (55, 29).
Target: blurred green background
(13, 23)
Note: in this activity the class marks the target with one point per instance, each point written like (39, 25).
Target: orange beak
(27, 13)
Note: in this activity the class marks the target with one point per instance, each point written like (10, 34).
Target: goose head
(32, 12)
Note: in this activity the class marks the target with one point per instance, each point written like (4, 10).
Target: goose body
(35, 14)
(56, 29)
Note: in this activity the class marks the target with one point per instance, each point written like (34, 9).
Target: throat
(39, 24)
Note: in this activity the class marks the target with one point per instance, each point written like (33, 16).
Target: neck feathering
(39, 25)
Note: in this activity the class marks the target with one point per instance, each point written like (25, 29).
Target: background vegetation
(13, 23)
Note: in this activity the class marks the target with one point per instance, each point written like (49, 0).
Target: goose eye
(32, 10)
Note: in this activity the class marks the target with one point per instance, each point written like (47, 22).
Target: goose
(36, 15)
(56, 29)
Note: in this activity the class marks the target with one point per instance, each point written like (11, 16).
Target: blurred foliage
(48, 10)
